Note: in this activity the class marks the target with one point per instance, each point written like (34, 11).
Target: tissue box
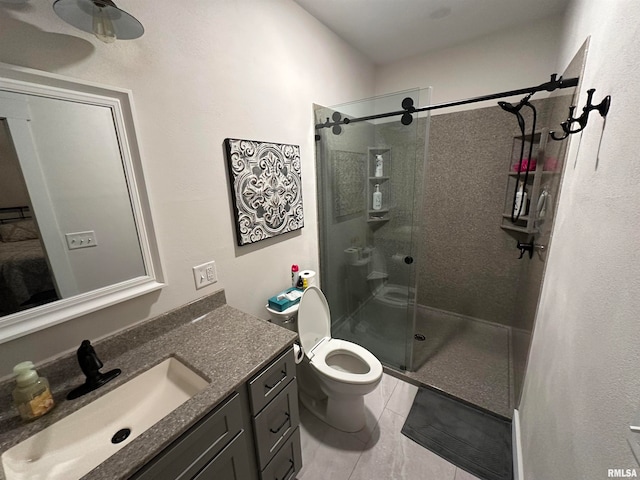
(285, 299)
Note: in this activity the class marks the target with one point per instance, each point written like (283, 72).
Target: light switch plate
(205, 274)
(81, 240)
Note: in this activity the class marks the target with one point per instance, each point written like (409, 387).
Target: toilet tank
(287, 318)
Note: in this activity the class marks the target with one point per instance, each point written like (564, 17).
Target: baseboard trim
(516, 446)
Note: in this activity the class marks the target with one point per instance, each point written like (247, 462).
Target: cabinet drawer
(230, 464)
(196, 447)
(274, 424)
(272, 380)
(287, 462)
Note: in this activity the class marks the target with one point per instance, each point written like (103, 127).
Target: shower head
(511, 108)
(515, 109)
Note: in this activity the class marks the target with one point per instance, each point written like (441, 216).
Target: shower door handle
(408, 259)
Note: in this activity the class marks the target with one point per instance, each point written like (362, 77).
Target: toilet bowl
(392, 295)
(343, 371)
(385, 293)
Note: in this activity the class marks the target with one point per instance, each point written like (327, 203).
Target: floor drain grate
(419, 337)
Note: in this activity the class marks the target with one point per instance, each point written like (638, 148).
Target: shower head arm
(515, 213)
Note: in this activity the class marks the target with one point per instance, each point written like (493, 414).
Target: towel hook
(602, 108)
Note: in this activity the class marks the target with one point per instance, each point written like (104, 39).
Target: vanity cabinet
(275, 419)
(252, 434)
(539, 180)
(217, 443)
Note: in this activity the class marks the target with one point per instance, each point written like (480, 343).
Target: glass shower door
(369, 186)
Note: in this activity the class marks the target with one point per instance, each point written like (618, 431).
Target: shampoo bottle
(32, 395)
(520, 204)
(543, 203)
(377, 198)
(379, 166)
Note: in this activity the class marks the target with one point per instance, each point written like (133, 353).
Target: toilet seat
(333, 346)
(314, 319)
(314, 328)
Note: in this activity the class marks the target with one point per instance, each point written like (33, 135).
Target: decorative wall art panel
(266, 186)
(349, 171)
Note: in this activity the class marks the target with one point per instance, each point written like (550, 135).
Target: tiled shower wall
(469, 265)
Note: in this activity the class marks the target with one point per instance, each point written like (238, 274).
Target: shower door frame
(325, 216)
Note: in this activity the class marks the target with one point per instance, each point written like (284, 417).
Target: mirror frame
(34, 82)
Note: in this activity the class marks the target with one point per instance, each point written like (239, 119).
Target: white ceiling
(388, 30)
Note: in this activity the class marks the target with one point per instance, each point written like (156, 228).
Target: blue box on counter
(285, 299)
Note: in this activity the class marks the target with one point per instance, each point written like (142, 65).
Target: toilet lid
(314, 318)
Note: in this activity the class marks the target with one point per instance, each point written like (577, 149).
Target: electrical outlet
(205, 274)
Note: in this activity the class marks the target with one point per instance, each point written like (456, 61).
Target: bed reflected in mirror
(25, 278)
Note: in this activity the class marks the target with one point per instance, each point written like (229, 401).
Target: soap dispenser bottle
(379, 166)
(377, 198)
(32, 395)
(520, 203)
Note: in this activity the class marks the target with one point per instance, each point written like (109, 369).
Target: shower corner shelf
(379, 216)
(528, 222)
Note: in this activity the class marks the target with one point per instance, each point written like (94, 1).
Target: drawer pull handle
(283, 424)
(289, 472)
(284, 375)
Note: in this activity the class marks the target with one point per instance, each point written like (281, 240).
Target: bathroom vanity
(222, 446)
(243, 425)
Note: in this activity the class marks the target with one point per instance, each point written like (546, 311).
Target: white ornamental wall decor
(266, 186)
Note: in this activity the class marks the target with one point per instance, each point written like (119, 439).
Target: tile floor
(379, 451)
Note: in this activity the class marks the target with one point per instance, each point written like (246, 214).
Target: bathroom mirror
(75, 225)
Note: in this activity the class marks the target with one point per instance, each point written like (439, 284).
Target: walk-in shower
(367, 250)
(430, 281)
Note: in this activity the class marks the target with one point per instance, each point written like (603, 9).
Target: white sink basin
(78, 443)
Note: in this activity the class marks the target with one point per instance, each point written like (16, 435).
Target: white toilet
(286, 318)
(344, 371)
(372, 272)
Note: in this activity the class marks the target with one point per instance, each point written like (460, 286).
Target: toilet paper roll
(398, 258)
(351, 255)
(298, 353)
(310, 275)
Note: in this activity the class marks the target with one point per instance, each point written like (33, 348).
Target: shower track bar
(407, 103)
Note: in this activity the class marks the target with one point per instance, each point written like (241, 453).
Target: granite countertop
(225, 346)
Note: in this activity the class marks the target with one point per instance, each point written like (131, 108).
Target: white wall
(86, 187)
(503, 61)
(582, 387)
(202, 72)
